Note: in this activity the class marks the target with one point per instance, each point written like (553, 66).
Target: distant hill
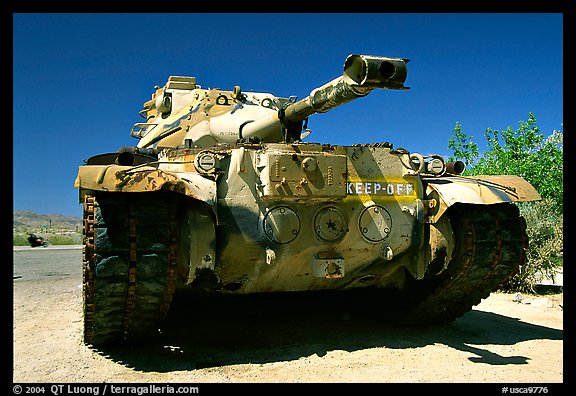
(28, 218)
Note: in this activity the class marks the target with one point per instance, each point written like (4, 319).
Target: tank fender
(145, 178)
(486, 189)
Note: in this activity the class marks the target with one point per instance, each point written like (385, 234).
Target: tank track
(129, 265)
(491, 243)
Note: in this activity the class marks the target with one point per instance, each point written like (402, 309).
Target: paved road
(52, 261)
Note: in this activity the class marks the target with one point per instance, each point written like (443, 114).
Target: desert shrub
(20, 240)
(69, 238)
(545, 229)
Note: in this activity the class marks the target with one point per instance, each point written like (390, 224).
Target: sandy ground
(506, 339)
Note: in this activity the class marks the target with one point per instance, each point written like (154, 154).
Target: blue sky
(79, 80)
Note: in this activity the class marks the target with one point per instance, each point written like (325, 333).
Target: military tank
(221, 195)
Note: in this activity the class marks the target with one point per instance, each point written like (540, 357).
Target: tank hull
(277, 218)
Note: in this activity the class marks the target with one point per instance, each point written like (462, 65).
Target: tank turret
(182, 114)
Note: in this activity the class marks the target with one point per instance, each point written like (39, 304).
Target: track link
(129, 261)
(491, 243)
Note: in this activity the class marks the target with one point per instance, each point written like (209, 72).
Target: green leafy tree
(524, 152)
(463, 147)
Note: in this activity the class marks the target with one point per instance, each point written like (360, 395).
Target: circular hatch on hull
(330, 224)
(375, 223)
(281, 224)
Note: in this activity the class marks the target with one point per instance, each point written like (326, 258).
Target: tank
(222, 195)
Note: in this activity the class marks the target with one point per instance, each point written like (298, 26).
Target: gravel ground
(507, 338)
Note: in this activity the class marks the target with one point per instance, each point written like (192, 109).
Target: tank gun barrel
(362, 74)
